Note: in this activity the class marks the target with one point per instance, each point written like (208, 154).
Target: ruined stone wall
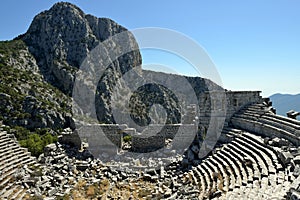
(168, 131)
(219, 104)
(145, 144)
(87, 133)
(239, 99)
(180, 133)
(114, 133)
(212, 104)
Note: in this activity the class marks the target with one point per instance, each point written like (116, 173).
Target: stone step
(5, 145)
(15, 194)
(256, 109)
(263, 159)
(278, 132)
(195, 181)
(241, 156)
(281, 121)
(239, 160)
(257, 106)
(252, 113)
(8, 148)
(209, 173)
(232, 131)
(206, 177)
(13, 164)
(23, 154)
(267, 152)
(247, 116)
(5, 188)
(234, 170)
(6, 152)
(9, 162)
(3, 135)
(19, 152)
(265, 129)
(16, 160)
(279, 125)
(200, 177)
(9, 191)
(254, 163)
(4, 140)
(227, 169)
(5, 181)
(258, 143)
(21, 195)
(239, 173)
(225, 179)
(6, 174)
(29, 161)
(251, 152)
(292, 121)
(4, 157)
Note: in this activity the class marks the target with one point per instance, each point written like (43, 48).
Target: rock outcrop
(62, 37)
(26, 99)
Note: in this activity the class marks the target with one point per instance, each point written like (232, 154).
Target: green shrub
(35, 142)
(127, 138)
(19, 83)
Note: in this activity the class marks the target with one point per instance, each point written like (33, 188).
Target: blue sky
(255, 45)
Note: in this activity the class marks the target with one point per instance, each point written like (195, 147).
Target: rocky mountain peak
(65, 7)
(61, 38)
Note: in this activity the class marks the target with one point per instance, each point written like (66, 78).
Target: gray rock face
(61, 38)
(25, 98)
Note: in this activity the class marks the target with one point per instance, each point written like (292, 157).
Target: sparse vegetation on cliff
(33, 141)
(27, 102)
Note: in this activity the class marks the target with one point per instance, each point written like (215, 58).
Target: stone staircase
(12, 158)
(244, 168)
(258, 119)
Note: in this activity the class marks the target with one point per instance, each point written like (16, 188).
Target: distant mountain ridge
(285, 102)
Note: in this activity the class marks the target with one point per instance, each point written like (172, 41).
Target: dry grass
(90, 192)
(221, 183)
(134, 189)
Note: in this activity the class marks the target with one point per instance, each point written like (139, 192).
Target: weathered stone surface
(28, 101)
(296, 171)
(297, 160)
(62, 37)
(49, 148)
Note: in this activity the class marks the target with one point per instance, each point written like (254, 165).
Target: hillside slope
(285, 102)
(38, 71)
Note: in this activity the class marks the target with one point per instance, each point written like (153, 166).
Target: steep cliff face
(38, 68)
(45, 61)
(61, 38)
(25, 98)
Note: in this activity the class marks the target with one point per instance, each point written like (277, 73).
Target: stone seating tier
(12, 157)
(243, 166)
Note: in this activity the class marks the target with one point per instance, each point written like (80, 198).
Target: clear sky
(255, 44)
